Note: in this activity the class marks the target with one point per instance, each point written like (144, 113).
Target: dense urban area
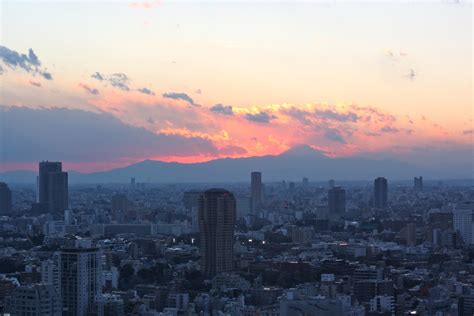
(379, 247)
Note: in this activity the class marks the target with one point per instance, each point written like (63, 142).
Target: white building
(382, 304)
(50, 273)
(463, 222)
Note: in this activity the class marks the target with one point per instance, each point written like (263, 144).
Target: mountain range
(294, 164)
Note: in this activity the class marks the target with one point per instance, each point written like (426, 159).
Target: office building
(110, 305)
(380, 192)
(256, 191)
(463, 222)
(35, 300)
(383, 305)
(337, 200)
(5, 199)
(418, 183)
(81, 282)
(53, 187)
(331, 184)
(216, 216)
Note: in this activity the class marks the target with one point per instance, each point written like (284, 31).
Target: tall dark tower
(216, 228)
(380, 192)
(418, 183)
(53, 187)
(256, 191)
(337, 201)
(5, 199)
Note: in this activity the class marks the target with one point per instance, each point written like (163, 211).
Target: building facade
(217, 215)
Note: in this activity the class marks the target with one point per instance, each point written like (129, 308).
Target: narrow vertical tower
(380, 192)
(216, 228)
(256, 191)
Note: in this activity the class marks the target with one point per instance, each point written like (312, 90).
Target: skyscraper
(256, 191)
(418, 183)
(5, 199)
(337, 200)
(463, 221)
(53, 187)
(380, 192)
(217, 212)
(81, 284)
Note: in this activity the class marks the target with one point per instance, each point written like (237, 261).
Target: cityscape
(254, 248)
(236, 158)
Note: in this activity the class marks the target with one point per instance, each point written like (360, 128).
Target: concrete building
(380, 192)
(81, 283)
(217, 216)
(256, 191)
(35, 300)
(53, 187)
(383, 304)
(5, 199)
(110, 305)
(463, 222)
(337, 201)
(418, 183)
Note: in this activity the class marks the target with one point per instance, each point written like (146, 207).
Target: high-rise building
(463, 221)
(256, 191)
(81, 283)
(331, 184)
(305, 182)
(5, 199)
(217, 213)
(53, 187)
(35, 300)
(132, 183)
(380, 192)
(418, 183)
(337, 200)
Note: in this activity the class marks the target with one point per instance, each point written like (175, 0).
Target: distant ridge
(293, 164)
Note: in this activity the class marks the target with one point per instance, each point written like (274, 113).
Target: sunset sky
(112, 83)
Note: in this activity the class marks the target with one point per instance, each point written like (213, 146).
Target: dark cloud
(91, 90)
(300, 115)
(82, 136)
(27, 62)
(468, 132)
(35, 83)
(117, 80)
(389, 129)
(372, 134)
(411, 74)
(336, 116)
(46, 75)
(146, 91)
(150, 120)
(222, 109)
(98, 76)
(261, 117)
(232, 150)
(179, 96)
(334, 135)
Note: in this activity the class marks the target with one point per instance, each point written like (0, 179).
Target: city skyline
(165, 84)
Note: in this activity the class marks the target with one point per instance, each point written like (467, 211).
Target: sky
(100, 85)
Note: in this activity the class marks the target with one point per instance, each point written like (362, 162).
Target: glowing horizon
(193, 82)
